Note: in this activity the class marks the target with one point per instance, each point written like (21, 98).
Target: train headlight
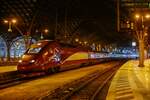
(32, 61)
(20, 61)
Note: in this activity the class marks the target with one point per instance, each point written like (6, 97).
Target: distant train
(50, 56)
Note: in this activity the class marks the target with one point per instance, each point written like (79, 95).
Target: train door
(57, 55)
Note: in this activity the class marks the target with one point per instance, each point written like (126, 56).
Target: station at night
(74, 50)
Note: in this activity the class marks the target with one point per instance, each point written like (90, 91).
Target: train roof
(41, 43)
(45, 40)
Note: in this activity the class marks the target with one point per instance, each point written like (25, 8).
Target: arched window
(3, 47)
(18, 47)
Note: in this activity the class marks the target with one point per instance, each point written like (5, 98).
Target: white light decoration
(133, 44)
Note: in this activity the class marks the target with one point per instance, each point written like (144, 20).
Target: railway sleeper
(64, 92)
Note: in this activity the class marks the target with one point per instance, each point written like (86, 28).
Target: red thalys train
(51, 56)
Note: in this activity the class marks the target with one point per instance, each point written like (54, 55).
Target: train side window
(50, 51)
(46, 53)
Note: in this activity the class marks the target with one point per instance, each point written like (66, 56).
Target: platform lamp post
(45, 31)
(13, 21)
(77, 39)
(10, 22)
(140, 35)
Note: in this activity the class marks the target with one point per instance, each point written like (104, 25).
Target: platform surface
(7, 68)
(131, 82)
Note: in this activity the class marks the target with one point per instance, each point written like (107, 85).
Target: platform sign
(135, 4)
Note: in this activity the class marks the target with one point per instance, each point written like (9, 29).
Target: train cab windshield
(37, 47)
(34, 50)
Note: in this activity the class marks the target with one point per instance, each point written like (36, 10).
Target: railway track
(92, 90)
(8, 79)
(76, 90)
(86, 88)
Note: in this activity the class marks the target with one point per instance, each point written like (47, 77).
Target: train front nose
(26, 63)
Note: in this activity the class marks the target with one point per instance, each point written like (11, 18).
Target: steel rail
(8, 79)
(67, 91)
(91, 90)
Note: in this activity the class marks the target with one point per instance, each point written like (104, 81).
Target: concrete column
(8, 52)
(141, 52)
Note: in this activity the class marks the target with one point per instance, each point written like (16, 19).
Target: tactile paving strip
(123, 89)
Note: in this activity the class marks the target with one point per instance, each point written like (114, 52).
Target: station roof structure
(71, 15)
(91, 20)
(130, 8)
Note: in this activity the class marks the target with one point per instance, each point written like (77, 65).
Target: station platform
(4, 69)
(131, 82)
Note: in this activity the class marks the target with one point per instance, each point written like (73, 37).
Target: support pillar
(141, 53)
